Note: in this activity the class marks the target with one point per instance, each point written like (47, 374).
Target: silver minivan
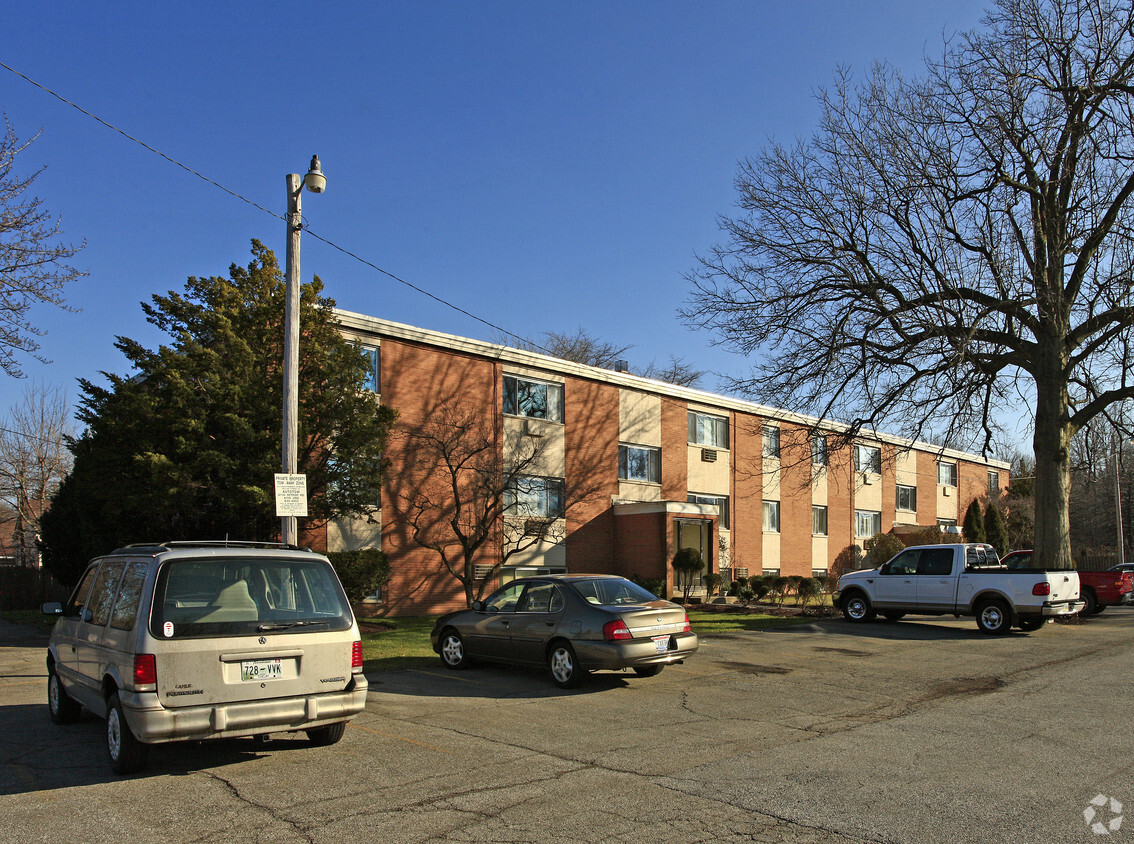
(186, 641)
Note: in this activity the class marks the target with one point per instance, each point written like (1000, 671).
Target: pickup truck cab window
(904, 563)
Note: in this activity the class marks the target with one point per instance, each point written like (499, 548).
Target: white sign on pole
(291, 495)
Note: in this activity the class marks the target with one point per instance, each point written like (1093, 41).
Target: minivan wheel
(323, 736)
(127, 754)
(565, 670)
(63, 708)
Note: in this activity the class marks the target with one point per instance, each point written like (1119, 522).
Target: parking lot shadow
(488, 681)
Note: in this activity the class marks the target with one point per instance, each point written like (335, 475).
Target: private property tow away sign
(291, 495)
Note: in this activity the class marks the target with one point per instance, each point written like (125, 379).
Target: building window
(534, 399)
(639, 463)
(711, 431)
(820, 572)
(771, 441)
(867, 523)
(946, 523)
(818, 520)
(946, 473)
(720, 501)
(907, 498)
(772, 516)
(993, 483)
(868, 458)
(819, 451)
(532, 496)
(370, 380)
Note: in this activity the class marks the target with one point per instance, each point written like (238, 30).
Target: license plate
(261, 669)
(662, 643)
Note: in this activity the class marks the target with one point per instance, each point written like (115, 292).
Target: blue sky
(545, 166)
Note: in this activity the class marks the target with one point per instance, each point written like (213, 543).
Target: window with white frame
(993, 482)
(818, 520)
(639, 463)
(772, 516)
(533, 399)
(534, 496)
(819, 451)
(771, 437)
(371, 359)
(868, 458)
(907, 498)
(721, 502)
(706, 430)
(946, 523)
(946, 473)
(867, 523)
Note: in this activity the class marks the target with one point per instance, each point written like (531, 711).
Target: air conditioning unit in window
(708, 455)
(481, 572)
(867, 478)
(536, 527)
(531, 430)
(945, 491)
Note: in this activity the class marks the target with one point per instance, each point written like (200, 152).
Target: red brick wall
(795, 501)
(418, 381)
(972, 485)
(591, 412)
(926, 489)
(640, 544)
(840, 501)
(747, 493)
(674, 450)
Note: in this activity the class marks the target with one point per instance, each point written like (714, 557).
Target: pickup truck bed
(1098, 589)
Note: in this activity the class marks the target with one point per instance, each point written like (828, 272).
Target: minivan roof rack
(158, 547)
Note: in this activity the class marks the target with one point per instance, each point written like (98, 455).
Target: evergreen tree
(188, 445)
(973, 526)
(996, 530)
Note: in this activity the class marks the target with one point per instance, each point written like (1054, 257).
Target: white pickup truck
(964, 579)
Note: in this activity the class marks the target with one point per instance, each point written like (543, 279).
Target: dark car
(573, 624)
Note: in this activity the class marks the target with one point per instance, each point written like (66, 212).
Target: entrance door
(695, 534)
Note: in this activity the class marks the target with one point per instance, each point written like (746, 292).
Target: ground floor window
(719, 501)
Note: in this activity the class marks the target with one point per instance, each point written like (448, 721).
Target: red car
(1099, 589)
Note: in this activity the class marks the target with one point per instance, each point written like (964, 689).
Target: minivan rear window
(232, 597)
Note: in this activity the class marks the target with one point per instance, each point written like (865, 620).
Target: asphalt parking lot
(923, 730)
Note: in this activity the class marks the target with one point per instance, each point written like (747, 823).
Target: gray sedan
(573, 624)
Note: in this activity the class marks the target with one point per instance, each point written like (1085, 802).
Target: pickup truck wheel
(1092, 603)
(993, 617)
(856, 607)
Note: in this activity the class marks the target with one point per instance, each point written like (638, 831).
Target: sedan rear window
(225, 597)
(610, 591)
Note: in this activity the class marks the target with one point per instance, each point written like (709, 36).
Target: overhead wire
(254, 204)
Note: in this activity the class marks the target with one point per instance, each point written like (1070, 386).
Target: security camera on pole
(291, 488)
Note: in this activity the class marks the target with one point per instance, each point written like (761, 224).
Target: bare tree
(34, 459)
(944, 246)
(33, 266)
(475, 495)
(583, 348)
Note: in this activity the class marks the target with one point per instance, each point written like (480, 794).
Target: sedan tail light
(688, 628)
(1042, 588)
(614, 630)
(356, 657)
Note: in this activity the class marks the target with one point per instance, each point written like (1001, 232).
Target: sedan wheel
(565, 670)
(453, 650)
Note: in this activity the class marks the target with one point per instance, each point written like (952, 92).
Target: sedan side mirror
(478, 606)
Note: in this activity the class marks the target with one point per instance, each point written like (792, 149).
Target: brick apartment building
(620, 471)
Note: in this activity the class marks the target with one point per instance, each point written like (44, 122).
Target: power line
(256, 205)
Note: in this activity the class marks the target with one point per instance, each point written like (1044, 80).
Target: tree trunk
(1051, 443)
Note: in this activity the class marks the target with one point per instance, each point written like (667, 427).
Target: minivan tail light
(145, 670)
(356, 657)
(616, 630)
(1042, 588)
